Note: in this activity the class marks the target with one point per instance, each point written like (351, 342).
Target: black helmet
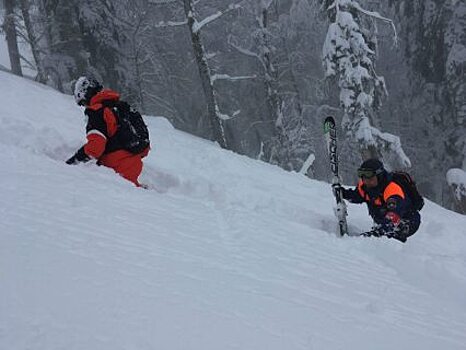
(85, 88)
(370, 168)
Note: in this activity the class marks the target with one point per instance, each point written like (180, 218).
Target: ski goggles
(368, 173)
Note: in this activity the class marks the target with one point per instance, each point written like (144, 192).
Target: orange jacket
(386, 198)
(101, 128)
(391, 190)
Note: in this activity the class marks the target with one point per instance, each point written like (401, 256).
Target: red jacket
(101, 128)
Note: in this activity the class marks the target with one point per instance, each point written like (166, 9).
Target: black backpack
(408, 185)
(132, 133)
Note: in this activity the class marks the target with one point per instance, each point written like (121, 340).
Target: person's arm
(352, 195)
(79, 157)
(96, 135)
(396, 203)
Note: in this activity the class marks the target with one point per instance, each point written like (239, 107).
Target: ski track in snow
(225, 252)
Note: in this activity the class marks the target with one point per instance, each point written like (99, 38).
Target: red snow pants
(125, 163)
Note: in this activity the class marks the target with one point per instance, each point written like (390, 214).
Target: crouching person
(392, 199)
(116, 134)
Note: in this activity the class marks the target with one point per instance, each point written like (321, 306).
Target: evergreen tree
(435, 53)
(349, 54)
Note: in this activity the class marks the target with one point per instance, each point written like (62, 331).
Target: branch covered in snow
(198, 25)
(246, 52)
(349, 54)
(161, 2)
(170, 24)
(386, 143)
(216, 77)
(377, 15)
(242, 49)
(224, 116)
(307, 164)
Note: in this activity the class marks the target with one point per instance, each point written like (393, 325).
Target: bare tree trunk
(461, 206)
(139, 82)
(274, 102)
(33, 41)
(46, 16)
(204, 72)
(270, 72)
(10, 31)
(459, 201)
(135, 47)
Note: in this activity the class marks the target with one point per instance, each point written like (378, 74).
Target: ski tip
(329, 123)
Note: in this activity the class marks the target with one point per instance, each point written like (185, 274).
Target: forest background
(259, 76)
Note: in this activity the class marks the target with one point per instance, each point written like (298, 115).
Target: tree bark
(33, 42)
(11, 37)
(204, 72)
(459, 202)
(274, 102)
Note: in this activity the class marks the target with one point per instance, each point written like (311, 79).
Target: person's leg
(408, 227)
(126, 164)
(130, 168)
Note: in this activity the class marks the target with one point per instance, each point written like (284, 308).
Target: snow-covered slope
(228, 253)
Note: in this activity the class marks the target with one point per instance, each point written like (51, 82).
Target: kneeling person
(395, 214)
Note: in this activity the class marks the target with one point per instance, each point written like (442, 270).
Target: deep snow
(227, 253)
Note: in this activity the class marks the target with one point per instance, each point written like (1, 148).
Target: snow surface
(227, 253)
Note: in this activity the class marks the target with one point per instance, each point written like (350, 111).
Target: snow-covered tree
(276, 150)
(288, 142)
(455, 68)
(195, 23)
(349, 54)
(128, 36)
(148, 51)
(72, 38)
(456, 179)
(431, 90)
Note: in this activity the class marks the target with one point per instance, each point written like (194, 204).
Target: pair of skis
(330, 133)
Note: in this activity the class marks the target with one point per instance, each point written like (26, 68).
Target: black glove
(337, 188)
(388, 229)
(72, 160)
(79, 156)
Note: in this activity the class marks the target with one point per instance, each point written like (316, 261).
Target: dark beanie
(372, 164)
